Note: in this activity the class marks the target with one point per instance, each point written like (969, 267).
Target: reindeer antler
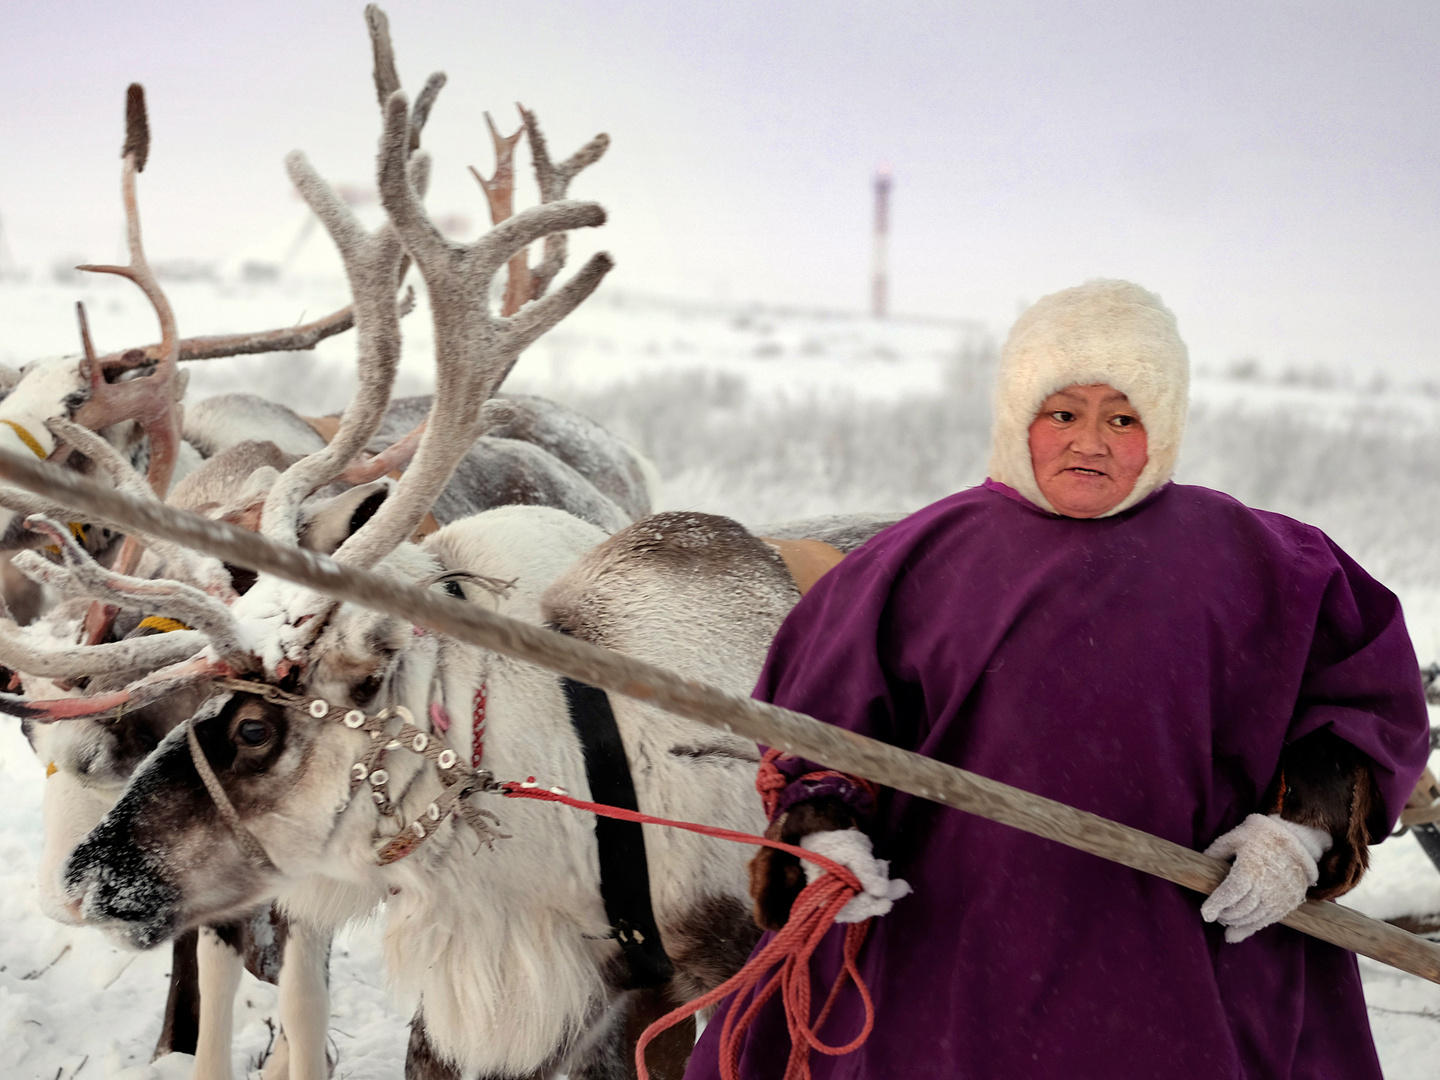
(81, 576)
(473, 348)
(554, 182)
(152, 687)
(372, 262)
(153, 400)
(500, 194)
(285, 339)
(201, 570)
(20, 652)
(522, 284)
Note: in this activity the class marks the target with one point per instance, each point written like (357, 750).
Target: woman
(1082, 628)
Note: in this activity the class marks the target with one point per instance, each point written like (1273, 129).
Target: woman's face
(1088, 448)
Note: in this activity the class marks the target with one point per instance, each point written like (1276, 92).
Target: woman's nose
(1089, 439)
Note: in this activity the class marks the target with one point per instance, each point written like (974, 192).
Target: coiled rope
(782, 966)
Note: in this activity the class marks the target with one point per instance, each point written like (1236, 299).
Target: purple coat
(1149, 668)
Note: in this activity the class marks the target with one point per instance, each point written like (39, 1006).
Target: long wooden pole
(768, 724)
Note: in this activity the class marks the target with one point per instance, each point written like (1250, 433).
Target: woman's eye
(1124, 421)
(1062, 417)
(253, 732)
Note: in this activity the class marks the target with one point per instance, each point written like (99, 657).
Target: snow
(764, 414)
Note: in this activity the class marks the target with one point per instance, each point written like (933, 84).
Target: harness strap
(252, 847)
(162, 624)
(458, 779)
(624, 869)
(31, 443)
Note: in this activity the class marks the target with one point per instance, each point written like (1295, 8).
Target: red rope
(788, 952)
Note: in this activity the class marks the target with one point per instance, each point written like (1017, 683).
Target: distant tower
(880, 271)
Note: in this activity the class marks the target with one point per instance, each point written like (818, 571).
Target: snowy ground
(764, 415)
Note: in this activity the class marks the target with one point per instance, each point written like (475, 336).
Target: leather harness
(624, 868)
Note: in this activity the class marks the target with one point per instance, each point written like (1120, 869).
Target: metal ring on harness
(458, 780)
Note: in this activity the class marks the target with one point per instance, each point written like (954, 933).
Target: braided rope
(785, 959)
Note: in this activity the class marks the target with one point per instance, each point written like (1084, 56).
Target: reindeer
(567, 447)
(541, 453)
(543, 424)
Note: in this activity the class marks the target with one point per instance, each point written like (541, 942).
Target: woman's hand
(776, 877)
(1275, 862)
(853, 850)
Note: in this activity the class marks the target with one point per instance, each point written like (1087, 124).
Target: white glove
(852, 849)
(1275, 862)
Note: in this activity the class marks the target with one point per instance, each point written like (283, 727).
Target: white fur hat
(1104, 331)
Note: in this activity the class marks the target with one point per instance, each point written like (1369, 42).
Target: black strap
(624, 871)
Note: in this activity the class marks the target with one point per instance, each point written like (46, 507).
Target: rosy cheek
(1136, 454)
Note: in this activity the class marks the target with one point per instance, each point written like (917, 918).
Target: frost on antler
(201, 570)
(20, 651)
(554, 182)
(474, 349)
(81, 576)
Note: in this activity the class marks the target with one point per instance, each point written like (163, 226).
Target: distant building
(880, 269)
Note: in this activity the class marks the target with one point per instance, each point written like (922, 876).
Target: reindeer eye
(253, 732)
(365, 691)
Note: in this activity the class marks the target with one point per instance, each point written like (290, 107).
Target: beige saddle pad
(807, 560)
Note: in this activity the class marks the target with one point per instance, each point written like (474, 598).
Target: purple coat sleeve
(829, 661)
(1363, 683)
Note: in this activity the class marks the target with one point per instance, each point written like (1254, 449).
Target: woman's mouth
(1085, 472)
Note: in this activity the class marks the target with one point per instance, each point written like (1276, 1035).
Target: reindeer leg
(304, 1005)
(182, 1008)
(668, 1055)
(422, 1062)
(609, 1053)
(219, 968)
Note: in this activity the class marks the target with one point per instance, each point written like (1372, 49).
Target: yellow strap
(28, 439)
(164, 625)
(77, 528)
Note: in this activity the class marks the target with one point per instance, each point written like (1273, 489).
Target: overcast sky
(1271, 169)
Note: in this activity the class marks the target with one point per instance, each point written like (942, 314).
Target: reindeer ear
(328, 522)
